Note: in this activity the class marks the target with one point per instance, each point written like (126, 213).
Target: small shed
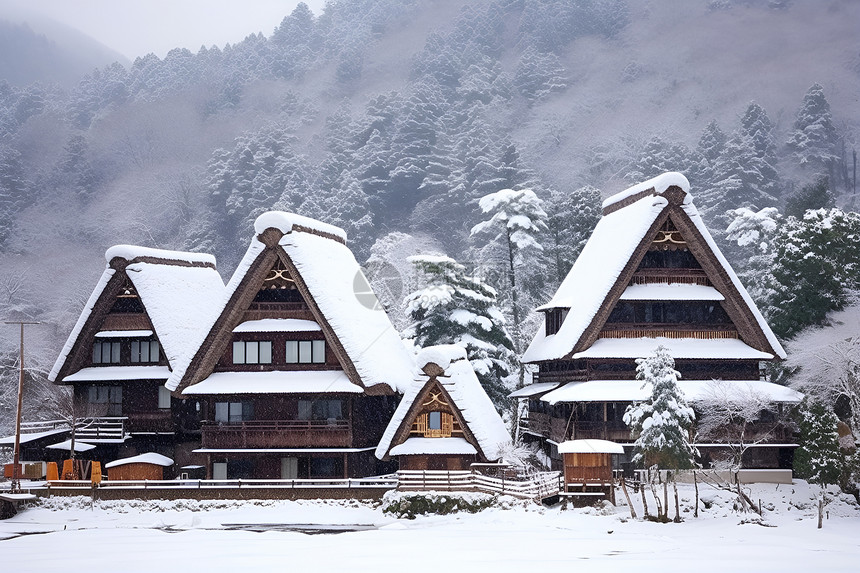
(145, 466)
(588, 467)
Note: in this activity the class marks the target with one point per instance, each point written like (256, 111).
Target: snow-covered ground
(66, 534)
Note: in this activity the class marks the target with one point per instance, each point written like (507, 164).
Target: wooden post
(644, 501)
(677, 505)
(821, 508)
(15, 486)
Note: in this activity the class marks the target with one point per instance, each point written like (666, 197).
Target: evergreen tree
(661, 425)
(818, 458)
(816, 263)
(659, 156)
(452, 307)
(811, 196)
(14, 191)
(757, 127)
(572, 218)
(517, 221)
(813, 139)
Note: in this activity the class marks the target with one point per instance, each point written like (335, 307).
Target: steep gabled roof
(446, 366)
(338, 294)
(177, 290)
(603, 270)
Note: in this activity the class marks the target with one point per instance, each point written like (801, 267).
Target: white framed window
(106, 352)
(305, 352)
(145, 351)
(163, 398)
(252, 352)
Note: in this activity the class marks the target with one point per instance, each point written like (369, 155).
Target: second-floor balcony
(277, 434)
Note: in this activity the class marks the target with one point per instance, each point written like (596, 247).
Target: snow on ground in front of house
(191, 535)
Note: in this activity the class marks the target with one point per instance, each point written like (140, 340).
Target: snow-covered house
(138, 324)
(651, 274)
(445, 420)
(301, 369)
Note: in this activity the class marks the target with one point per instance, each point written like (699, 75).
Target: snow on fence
(538, 486)
(384, 482)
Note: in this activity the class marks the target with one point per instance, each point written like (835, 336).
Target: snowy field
(69, 534)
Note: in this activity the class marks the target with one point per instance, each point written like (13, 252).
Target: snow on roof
(596, 269)
(344, 297)
(67, 445)
(32, 436)
(534, 389)
(341, 292)
(179, 300)
(461, 383)
(423, 446)
(696, 218)
(123, 333)
(147, 458)
(660, 184)
(720, 348)
(605, 255)
(637, 391)
(118, 373)
(275, 382)
(131, 252)
(671, 291)
(590, 447)
(285, 222)
(79, 325)
(278, 325)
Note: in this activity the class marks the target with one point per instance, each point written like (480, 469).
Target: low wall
(215, 493)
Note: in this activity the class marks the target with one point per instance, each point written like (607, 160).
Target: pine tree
(661, 425)
(517, 221)
(813, 140)
(811, 196)
(757, 127)
(452, 307)
(818, 458)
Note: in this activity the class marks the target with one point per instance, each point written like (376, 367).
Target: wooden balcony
(158, 421)
(580, 375)
(277, 434)
(104, 429)
(536, 424)
(673, 276)
(612, 431)
(669, 330)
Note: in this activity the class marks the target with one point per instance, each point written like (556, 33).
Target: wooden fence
(537, 486)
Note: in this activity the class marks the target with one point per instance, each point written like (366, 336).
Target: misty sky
(137, 27)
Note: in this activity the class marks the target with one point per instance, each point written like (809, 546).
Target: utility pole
(16, 470)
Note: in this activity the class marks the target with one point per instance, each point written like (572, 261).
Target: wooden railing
(43, 426)
(277, 433)
(667, 331)
(579, 375)
(670, 276)
(103, 428)
(537, 486)
(381, 482)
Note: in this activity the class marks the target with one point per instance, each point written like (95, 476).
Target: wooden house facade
(651, 274)
(134, 328)
(445, 420)
(299, 373)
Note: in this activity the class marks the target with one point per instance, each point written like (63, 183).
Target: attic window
(554, 318)
(434, 425)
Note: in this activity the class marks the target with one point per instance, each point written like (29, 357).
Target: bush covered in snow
(412, 504)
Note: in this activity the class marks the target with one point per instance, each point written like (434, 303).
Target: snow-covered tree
(813, 139)
(815, 195)
(661, 425)
(730, 413)
(818, 459)
(516, 222)
(452, 307)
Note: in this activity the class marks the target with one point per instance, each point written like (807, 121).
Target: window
(305, 352)
(163, 398)
(219, 470)
(326, 467)
(145, 351)
(106, 352)
(321, 410)
(434, 425)
(252, 352)
(234, 411)
(554, 318)
(105, 400)
(675, 312)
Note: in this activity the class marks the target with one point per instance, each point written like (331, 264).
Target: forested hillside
(392, 118)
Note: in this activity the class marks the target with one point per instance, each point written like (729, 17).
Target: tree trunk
(644, 501)
(677, 505)
(666, 498)
(627, 495)
(821, 508)
(696, 487)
